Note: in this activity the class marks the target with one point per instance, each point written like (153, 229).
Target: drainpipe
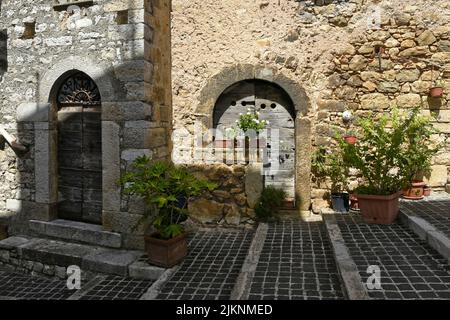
(11, 140)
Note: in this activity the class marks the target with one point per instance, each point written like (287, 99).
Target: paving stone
(211, 268)
(26, 287)
(296, 263)
(405, 261)
(117, 288)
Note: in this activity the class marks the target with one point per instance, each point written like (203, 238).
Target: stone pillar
(253, 183)
(303, 163)
(45, 159)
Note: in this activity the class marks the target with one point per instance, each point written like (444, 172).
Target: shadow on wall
(3, 52)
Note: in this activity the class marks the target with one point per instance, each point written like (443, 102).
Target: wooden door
(274, 105)
(80, 164)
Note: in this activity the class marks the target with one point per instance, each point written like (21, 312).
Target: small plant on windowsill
(250, 124)
(166, 189)
(350, 136)
(437, 90)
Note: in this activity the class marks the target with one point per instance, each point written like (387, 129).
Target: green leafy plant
(271, 198)
(251, 121)
(166, 188)
(391, 150)
(330, 164)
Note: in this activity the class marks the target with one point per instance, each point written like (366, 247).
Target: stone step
(90, 258)
(77, 232)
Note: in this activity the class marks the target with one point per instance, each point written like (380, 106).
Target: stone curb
(156, 287)
(241, 289)
(427, 232)
(353, 284)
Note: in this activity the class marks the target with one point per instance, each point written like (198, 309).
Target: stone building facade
(327, 56)
(85, 87)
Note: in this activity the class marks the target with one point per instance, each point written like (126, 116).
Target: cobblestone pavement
(410, 269)
(26, 287)
(435, 212)
(211, 267)
(296, 263)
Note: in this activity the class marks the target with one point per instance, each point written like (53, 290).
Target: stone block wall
(325, 50)
(229, 204)
(124, 46)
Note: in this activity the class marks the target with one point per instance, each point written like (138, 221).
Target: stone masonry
(124, 47)
(326, 56)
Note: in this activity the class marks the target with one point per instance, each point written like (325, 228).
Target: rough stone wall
(129, 42)
(229, 204)
(327, 48)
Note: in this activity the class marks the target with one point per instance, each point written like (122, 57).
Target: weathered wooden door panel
(275, 106)
(79, 163)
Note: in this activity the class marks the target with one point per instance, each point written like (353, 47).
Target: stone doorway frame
(217, 84)
(43, 116)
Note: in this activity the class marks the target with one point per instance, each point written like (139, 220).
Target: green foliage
(390, 151)
(250, 121)
(330, 164)
(162, 186)
(271, 198)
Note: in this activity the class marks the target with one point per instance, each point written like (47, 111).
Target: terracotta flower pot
(165, 253)
(436, 92)
(427, 191)
(415, 192)
(350, 139)
(354, 201)
(223, 144)
(377, 209)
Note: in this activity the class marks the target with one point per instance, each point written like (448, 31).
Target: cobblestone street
(290, 259)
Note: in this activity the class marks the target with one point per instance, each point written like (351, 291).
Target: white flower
(237, 121)
(249, 113)
(240, 114)
(267, 122)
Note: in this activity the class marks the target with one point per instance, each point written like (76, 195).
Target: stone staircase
(59, 244)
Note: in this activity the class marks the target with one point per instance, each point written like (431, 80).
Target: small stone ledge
(243, 282)
(353, 284)
(33, 112)
(77, 231)
(51, 258)
(435, 238)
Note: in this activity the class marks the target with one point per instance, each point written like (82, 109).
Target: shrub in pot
(166, 189)
(270, 201)
(331, 165)
(420, 151)
(383, 157)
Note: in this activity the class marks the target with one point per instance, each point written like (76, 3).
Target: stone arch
(100, 73)
(231, 75)
(302, 105)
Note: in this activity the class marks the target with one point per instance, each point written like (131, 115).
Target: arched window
(79, 89)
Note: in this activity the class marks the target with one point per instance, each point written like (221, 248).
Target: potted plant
(229, 141)
(166, 189)
(350, 137)
(437, 90)
(384, 152)
(330, 164)
(418, 163)
(249, 123)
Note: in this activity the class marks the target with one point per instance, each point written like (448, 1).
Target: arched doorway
(274, 105)
(79, 149)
